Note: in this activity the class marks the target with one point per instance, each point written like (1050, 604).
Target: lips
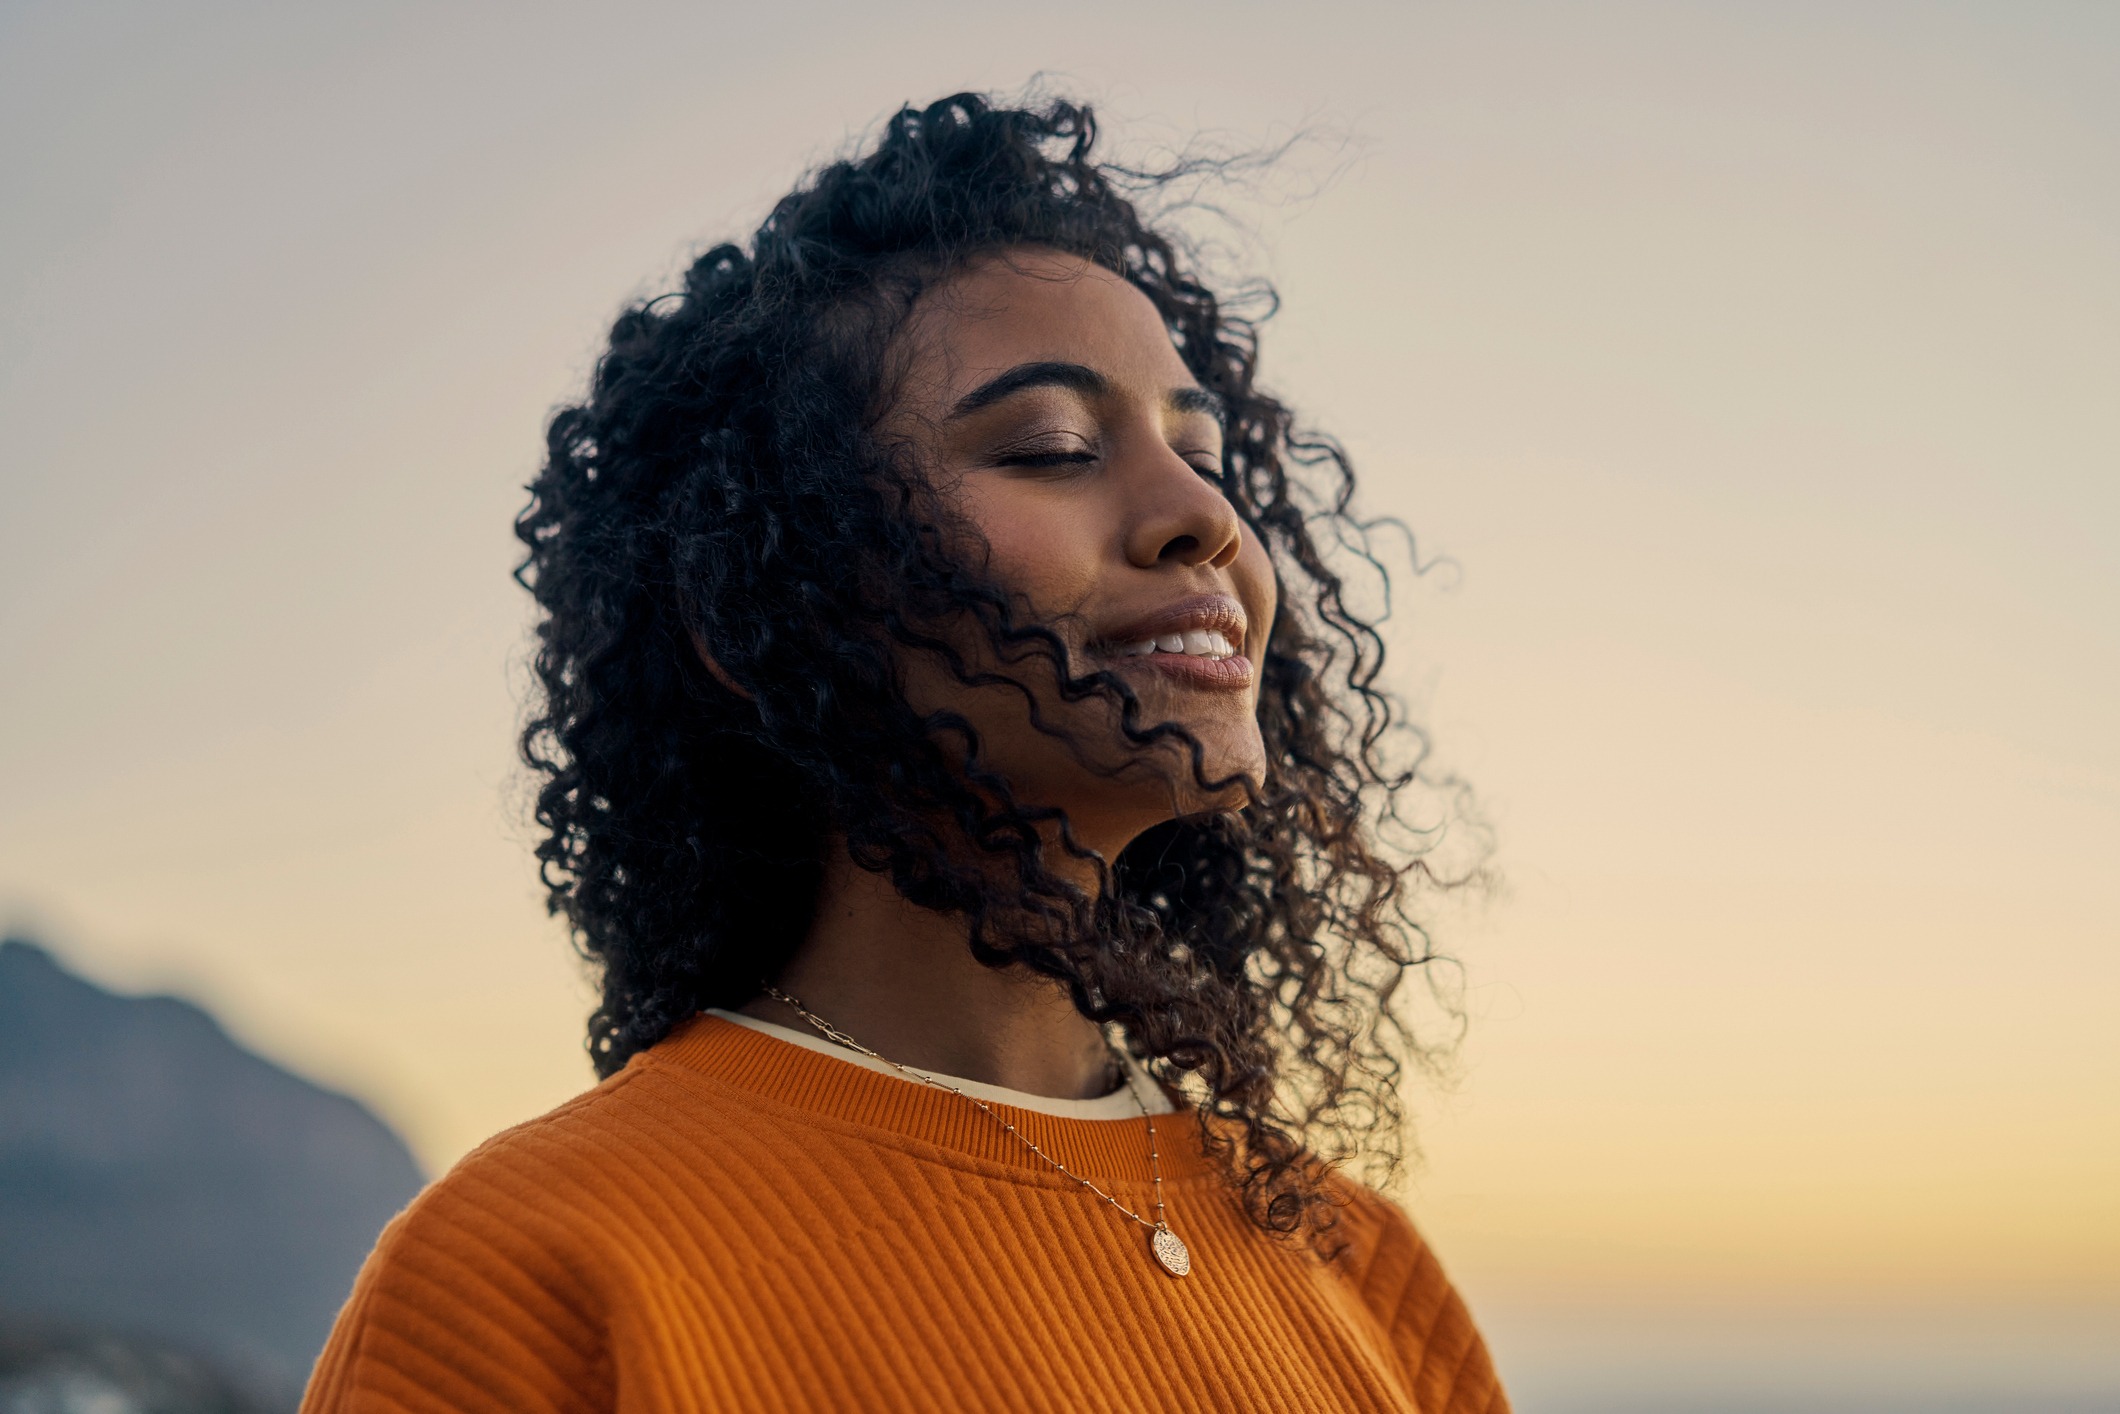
(1198, 640)
(1218, 614)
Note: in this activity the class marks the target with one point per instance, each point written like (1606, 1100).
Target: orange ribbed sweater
(736, 1223)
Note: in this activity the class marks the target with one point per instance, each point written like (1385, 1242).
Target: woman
(961, 767)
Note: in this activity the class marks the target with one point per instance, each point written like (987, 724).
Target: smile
(1193, 643)
(1197, 658)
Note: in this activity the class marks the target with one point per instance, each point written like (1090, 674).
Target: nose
(1176, 515)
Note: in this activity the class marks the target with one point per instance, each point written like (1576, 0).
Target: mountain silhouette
(156, 1178)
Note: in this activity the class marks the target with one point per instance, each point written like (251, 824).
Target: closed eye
(1039, 461)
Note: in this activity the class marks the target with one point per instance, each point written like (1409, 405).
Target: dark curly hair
(725, 488)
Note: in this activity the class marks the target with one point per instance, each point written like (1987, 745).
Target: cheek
(1039, 550)
(1255, 588)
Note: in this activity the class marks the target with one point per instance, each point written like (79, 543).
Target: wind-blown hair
(724, 489)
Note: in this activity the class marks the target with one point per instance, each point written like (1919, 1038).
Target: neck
(902, 981)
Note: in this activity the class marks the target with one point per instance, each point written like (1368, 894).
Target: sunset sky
(1752, 369)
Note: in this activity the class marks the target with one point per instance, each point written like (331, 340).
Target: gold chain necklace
(1167, 1247)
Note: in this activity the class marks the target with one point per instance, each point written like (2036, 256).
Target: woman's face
(1043, 396)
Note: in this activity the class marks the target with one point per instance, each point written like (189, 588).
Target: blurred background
(1755, 366)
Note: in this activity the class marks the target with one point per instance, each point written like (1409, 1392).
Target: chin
(1193, 801)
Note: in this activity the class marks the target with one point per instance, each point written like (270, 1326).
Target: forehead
(1030, 306)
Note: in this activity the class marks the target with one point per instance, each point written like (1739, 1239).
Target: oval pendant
(1170, 1251)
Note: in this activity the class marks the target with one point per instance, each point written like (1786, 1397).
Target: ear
(721, 674)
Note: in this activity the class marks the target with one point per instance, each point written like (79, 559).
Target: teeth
(1193, 643)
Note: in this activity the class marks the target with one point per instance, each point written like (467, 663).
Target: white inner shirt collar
(1119, 1104)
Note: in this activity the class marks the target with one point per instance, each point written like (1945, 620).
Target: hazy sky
(1756, 366)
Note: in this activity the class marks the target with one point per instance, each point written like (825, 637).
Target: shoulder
(526, 1184)
(476, 1297)
(576, 1181)
(1380, 1249)
(1403, 1285)
(495, 1289)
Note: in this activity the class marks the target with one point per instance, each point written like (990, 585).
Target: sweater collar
(1111, 1151)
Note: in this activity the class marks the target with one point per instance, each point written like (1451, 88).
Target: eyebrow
(1196, 400)
(1076, 378)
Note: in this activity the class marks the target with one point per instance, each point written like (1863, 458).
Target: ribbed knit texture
(735, 1223)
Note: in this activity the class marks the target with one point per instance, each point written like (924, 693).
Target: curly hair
(724, 489)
